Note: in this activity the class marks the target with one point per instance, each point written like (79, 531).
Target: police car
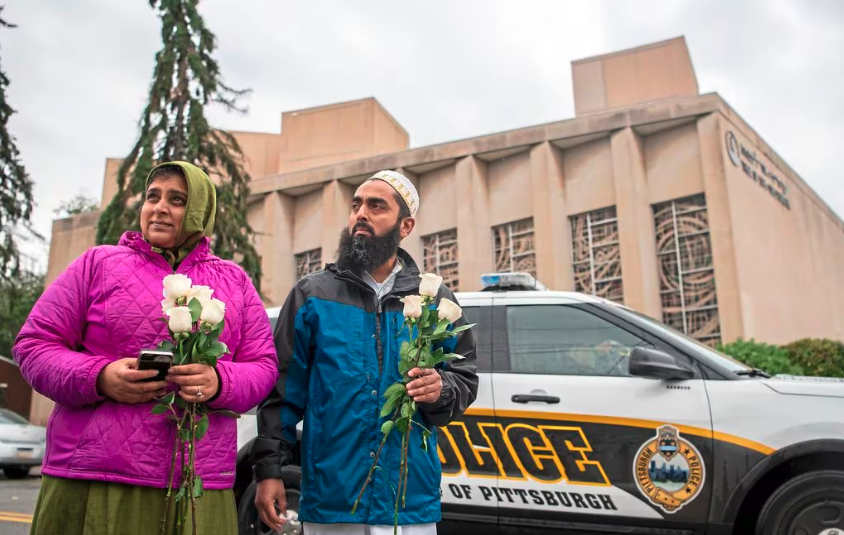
(594, 418)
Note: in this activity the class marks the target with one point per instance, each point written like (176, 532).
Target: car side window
(482, 318)
(566, 340)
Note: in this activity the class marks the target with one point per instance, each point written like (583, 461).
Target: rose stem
(169, 498)
(192, 467)
(405, 464)
(375, 462)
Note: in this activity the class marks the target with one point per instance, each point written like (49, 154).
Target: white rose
(213, 312)
(412, 306)
(449, 310)
(180, 319)
(176, 286)
(167, 304)
(202, 293)
(430, 284)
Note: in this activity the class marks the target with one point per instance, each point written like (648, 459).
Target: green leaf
(424, 444)
(160, 409)
(169, 398)
(197, 487)
(227, 414)
(202, 342)
(218, 329)
(407, 410)
(194, 350)
(441, 326)
(180, 494)
(462, 328)
(404, 367)
(423, 319)
(216, 349)
(166, 345)
(401, 424)
(201, 427)
(182, 404)
(448, 357)
(195, 309)
(387, 427)
(424, 358)
(394, 390)
(389, 406)
(185, 434)
(211, 361)
(404, 352)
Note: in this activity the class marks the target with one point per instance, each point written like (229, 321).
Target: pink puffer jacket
(105, 307)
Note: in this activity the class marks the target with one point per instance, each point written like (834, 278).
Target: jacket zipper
(379, 348)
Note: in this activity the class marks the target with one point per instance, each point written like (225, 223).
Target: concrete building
(653, 195)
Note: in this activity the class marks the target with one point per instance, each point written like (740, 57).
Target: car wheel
(248, 521)
(812, 503)
(16, 472)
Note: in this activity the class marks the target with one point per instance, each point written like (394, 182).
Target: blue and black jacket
(338, 349)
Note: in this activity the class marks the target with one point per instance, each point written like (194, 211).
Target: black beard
(365, 253)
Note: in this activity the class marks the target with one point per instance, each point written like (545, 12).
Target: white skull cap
(403, 186)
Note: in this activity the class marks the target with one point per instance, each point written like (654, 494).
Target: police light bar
(514, 281)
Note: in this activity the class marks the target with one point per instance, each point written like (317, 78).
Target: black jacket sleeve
(284, 408)
(459, 376)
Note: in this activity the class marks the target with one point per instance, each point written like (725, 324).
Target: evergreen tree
(173, 127)
(15, 188)
(17, 297)
(80, 204)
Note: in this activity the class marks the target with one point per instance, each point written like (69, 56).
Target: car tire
(809, 503)
(16, 472)
(248, 522)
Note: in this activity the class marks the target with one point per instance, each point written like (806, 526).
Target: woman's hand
(197, 382)
(121, 381)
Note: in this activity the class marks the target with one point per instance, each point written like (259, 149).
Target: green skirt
(79, 507)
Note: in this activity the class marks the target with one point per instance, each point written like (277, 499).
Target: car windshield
(690, 343)
(9, 417)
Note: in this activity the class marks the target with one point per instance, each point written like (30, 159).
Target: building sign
(753, 167)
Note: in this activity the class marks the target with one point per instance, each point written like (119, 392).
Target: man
(338, 342)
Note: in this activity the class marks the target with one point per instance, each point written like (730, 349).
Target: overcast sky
(445, 69)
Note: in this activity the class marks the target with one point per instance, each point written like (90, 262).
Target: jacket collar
(136, 241)
(407, 279)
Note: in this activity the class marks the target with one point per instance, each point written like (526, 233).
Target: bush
(818, 357)
(771, 359)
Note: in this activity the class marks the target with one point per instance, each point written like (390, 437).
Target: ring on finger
(199, 391)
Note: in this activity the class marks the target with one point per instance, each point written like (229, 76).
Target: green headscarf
(200, 211)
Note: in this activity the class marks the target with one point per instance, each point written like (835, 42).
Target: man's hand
(427, 388)
(271, 492)
(197, 382)
(121, 381)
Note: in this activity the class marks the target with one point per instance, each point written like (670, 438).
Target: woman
(108, 457)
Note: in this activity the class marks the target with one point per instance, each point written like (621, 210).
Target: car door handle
(527, 398)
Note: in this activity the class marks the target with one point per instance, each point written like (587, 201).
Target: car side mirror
(656, 364)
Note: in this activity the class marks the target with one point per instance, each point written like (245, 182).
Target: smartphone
(155, 359)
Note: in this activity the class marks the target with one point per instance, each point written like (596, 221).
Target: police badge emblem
(668, 442)
(669, 470)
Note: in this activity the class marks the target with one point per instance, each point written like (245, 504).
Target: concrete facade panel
(509, 189)
(438, 201)
(588, 169)
(673, 164)
(308, 222)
